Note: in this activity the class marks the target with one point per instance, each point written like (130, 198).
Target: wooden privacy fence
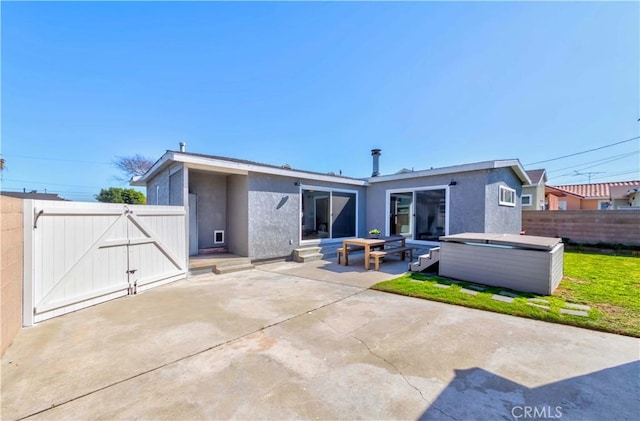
(585, 226)
(81, 254)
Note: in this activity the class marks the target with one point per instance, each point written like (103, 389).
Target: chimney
(183, 147)
(375, 153)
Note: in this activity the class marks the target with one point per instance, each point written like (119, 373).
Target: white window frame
(502, 201)
(526, 204)
(601, 202)
(330, 228)
(413, 190)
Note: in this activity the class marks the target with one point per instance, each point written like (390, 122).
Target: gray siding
(517, 269)
(211, 190)
(498, 218)
(237, 235)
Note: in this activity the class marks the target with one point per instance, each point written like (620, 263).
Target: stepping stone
(577, 306)
(502, 298)
(538, 300)
(508, 294)
(469, 291)
(538, 306)
(476, 287)
(441, 285)
(574, 312)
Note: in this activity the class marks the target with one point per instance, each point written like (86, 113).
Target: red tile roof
(596, 190)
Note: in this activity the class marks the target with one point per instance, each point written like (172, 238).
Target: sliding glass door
(328, 214)
(418, 214)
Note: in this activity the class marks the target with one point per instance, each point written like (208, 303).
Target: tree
(120, 195)
(133, 165)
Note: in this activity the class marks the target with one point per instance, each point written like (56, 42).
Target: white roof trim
(231, 167)
(477, 166)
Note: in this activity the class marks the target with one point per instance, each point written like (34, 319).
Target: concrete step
(200, 271)
(307, 254)
(232, 262)
(425, 261)
(213, 250)
(219, 270)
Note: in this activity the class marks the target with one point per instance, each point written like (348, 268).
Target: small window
(604, 205)
(507, 196)
(526, 200)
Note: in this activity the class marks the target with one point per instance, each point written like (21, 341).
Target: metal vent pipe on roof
(375, 153)
(183, 147)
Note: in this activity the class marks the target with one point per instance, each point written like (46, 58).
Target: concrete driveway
(311, 342)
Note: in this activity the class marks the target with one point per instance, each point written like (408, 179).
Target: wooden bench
(350, 249)
(377, 255)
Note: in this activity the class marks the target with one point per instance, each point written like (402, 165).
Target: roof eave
(455, 169)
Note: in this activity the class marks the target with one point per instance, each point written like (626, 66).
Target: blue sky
(317, 85)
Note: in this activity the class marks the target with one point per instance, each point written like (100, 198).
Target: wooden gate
(81, 254)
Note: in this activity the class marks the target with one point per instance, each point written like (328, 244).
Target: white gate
(81, 254)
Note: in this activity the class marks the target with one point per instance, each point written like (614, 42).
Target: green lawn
(610, 285)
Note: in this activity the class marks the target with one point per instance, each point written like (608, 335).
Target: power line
(583, 152)
(57, 159)
(52, 184)
(600, 161)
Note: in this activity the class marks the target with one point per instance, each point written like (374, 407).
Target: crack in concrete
(186, 357)
(375, 354)
(380, 357)
(444, 413)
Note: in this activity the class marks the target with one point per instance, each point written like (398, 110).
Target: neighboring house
(264, 211)
(596, 196)
(33, 195)
(533, 195)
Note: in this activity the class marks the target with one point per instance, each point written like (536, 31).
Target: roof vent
(183, 147)
(286, 166)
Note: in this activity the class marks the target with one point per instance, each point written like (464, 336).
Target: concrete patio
(307, 341)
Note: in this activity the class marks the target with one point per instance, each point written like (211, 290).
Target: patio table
(367, 244)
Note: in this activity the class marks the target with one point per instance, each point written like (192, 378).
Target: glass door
(400, 214)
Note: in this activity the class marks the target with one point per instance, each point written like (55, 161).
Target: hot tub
(520, 262)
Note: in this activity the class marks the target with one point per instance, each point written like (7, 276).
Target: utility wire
(52, 184)
(583, 152)
(612, 158)
(57, 159)
(605, 162)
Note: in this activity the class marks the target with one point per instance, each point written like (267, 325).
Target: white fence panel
(81, 254)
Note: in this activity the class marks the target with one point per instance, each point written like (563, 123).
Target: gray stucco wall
(466, 200)
(176, 191)
(537, 195)
(499, 218)
(274, 215)
(237, 235)
(274, 218)
(211, 189)
(473, 201)
(160, 190)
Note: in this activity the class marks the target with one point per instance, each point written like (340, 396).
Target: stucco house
(594, 196)
(533, 195)
(264, 211)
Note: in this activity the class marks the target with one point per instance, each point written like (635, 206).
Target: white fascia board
(476, 166)
(158, 165)
(243, 168)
